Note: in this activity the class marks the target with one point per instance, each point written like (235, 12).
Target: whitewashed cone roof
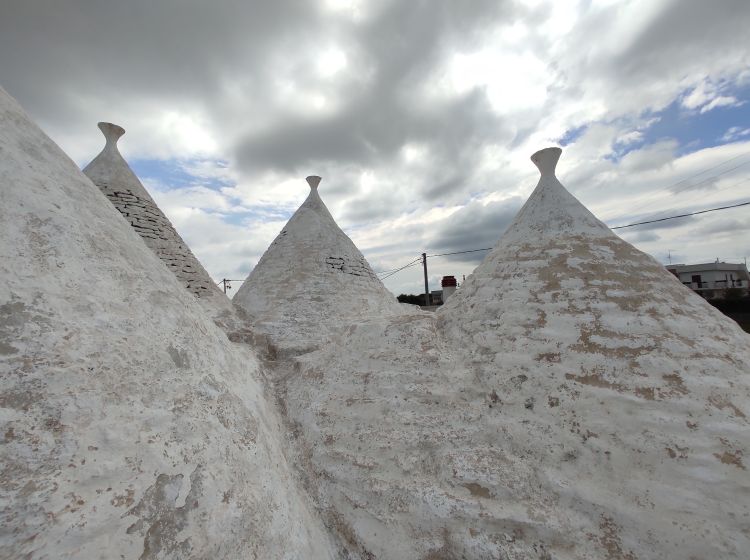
(312, 279)
(131, 426)
(595, 346)
(572, 400)
(112, 174)
(560, 279)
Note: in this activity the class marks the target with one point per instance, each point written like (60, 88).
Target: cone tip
(546, 160)
(313, 181)
(112, 132)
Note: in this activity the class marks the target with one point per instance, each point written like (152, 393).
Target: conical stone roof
(311, 279)
(572, 401)
(559, 278)
(111, 173)
(626, 392)
(132, 428)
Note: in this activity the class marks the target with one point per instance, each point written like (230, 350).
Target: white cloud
(707, 96)
(415, 114)
(734, 133)
(512, 81)
(331, 61)
(720, 101)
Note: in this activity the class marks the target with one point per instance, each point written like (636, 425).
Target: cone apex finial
(546, 160)
(112, 132)
(313, 181)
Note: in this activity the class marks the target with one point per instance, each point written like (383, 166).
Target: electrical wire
(416, 261)
(682, 215)
(389, 273)
(711, 178)
(386, 271)
(652, 195)
(397, 269)
(706, 170)
(412, 263)
(460, 252)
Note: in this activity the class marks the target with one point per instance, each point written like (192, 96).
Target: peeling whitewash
(131, 427)
(571, 401)
(111, 173)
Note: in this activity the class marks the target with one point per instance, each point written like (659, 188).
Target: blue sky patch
(174, 174)
(694, 130)
(572, 135)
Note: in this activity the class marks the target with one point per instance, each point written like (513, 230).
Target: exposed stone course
(131, 427)
(311, 281)
(111, 173)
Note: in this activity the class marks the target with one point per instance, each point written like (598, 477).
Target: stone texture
(130, 426)
(571, 401)
(311, 281)
(111, 173)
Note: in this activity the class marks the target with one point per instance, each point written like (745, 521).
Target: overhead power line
(386, 271)
(460, 252)
(226, 282)
(711, 178)
(670, 188)
(686, 179)
(418, 260)
(682, 215)
(412, 263)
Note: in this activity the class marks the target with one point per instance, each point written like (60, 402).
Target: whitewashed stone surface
(112, 174)
(311, 281)
(572, 400)
(130, 427)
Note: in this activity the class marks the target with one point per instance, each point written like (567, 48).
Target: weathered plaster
(130, 426)
(111, 173)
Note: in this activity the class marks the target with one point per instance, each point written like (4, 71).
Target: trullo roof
(132, 428)
(311, 279)
(112, 174)
(628, 390)
(582, 405)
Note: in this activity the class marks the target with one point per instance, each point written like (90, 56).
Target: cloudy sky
(420, 115)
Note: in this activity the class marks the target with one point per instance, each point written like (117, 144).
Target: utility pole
(227, 285)
(426, 285)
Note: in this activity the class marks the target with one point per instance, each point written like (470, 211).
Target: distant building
(439, 297)
(711, 280)
(449, 286)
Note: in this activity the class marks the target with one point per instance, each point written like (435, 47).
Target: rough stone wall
(311, 281)
(572, 401)
(111, 173)
(159, 234)
(353, 266)
(130, 426)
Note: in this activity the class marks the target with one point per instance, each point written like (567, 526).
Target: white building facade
(712, 280)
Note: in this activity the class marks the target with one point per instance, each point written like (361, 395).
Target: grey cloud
(658, 155)
(370, 208)
(373, 129)
(400, 48)
(739, 227)
(77, 62)
(642, 237)
(67, 61)
(180, 48)
(667, 224)
(474, 227)
(707, 25)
